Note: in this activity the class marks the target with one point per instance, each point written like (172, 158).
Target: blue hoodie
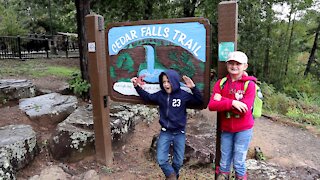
(173, 106)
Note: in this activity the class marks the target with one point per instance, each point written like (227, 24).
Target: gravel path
(286, 145)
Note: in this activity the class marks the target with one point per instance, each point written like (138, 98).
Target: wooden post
(227, 32)
(99, 87)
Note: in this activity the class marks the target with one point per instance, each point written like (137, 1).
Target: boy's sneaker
(171, 177)
(222, 176)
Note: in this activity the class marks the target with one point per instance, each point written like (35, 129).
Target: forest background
(281, 39)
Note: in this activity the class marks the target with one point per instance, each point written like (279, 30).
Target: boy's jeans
(166, 138)
(234, 146)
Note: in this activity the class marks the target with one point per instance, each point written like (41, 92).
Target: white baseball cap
(238, 56)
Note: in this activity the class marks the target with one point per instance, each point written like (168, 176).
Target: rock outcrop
(18, 147)
(48, 109)
(74, 138)
(14, 89)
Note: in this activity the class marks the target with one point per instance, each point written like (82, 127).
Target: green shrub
(299, 115)
(79, 86)
(275, 102)
(303, 108)
(294, 113)
(298, 85)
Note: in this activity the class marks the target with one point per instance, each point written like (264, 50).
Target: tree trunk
(266, 57)
(148, 9)
(284, 55)
(289, 47)
(279, 51)
(267, 48)
(189, 8)
(83, 9)
(313, 51)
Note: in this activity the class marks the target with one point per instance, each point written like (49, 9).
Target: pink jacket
(231, 119)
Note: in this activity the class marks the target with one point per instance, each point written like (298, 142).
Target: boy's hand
(217, 97)
(240, 106)
(138, 81)
(188, 81)
(134, 81)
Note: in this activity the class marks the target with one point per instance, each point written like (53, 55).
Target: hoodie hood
(173, 77)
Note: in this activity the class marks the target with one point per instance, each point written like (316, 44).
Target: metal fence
(12, 47)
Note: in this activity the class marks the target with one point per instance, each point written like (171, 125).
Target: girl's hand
(188, 81)
(217, 97)
(240, 106)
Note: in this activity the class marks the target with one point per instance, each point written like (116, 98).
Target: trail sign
(147, 48)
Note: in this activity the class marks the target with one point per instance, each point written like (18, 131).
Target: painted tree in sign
(125, 62)
(182, 64)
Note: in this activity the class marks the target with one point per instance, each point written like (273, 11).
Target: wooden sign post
(99, 87)
(143, 49)
(227, 39)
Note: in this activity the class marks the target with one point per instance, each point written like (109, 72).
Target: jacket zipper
(167, 112)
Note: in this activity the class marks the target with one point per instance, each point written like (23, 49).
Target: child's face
(236, 68)
(166, 84)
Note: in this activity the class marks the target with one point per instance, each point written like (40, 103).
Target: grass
(36, 68)
(54, 71)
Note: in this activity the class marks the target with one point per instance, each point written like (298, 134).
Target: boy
(235, 106)
(173, 103)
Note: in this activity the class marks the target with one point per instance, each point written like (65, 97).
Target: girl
(235, 107)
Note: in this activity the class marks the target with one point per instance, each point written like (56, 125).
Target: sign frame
(116, 96)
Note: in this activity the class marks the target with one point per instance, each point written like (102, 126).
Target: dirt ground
(287, 146)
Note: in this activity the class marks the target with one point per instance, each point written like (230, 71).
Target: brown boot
(172, 176)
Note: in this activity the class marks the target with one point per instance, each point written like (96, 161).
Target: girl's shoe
(242, 177)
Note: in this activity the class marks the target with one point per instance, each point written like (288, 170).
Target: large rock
(265, 170)
(136, 111)
(58, 173)
(49, 109)
(201, 139)
(18, 147)
(52, 172)
(73, 138)
(125, 115)
(63, 89)
(6, 170)
(13, 89)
